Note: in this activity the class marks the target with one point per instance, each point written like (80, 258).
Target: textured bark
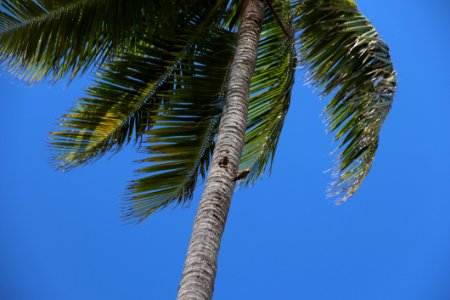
(200, 267)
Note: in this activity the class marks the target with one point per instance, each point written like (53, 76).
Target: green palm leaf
(122, 102)
(46, 38)
(181, 141)
(270, 94)
(346, 56)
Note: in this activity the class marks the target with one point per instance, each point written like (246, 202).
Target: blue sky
(61, 236)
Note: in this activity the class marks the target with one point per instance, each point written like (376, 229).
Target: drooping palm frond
(181, 141)
(47, 38)
(122, 102)
(270, 95)
(346, 56)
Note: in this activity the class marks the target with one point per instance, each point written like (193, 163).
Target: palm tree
(201, 85)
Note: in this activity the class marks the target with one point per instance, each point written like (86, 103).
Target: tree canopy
(161, 72)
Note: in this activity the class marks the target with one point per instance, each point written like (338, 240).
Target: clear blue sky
(61, 236)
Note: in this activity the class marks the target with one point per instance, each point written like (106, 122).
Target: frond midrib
(47, 15)
(209, 135)
(153, 89)
(206, 141)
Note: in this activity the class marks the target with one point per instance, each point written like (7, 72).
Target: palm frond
(346, 57)
(122, 102)
(270, 94)
(181, 141)
(46, 38)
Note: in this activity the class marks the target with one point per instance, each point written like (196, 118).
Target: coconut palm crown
(162, 69)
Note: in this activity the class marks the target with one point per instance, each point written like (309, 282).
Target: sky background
(61, 236)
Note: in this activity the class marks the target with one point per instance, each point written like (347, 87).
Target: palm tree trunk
(201, 261)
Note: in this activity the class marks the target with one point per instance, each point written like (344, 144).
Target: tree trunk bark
(200, 267)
